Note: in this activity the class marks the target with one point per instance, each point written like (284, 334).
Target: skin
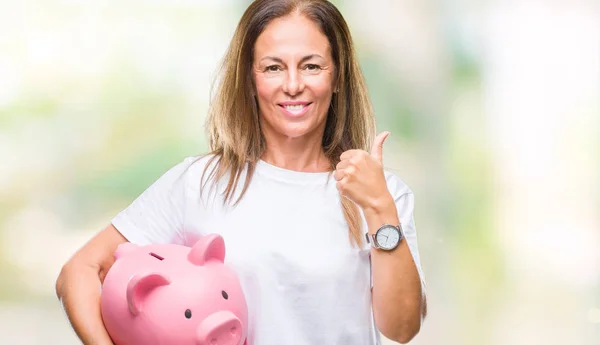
(292, 62)
(399, 305)
(77, 286)
(282, 72)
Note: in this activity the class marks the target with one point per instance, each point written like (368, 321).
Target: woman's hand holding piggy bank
(174, 295)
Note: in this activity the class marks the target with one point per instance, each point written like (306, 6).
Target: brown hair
(234, 132)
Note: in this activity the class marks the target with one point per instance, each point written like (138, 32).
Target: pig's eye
(224, 294)
(188, 314)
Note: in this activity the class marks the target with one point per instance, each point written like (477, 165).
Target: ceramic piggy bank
(174, 295)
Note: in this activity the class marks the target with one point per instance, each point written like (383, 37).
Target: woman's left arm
(399, 304)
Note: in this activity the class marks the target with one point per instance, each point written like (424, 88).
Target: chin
(293, 132)
(308, 127)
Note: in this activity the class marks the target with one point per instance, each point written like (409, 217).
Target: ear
(124, 249)
(139, 286)
(207, 248)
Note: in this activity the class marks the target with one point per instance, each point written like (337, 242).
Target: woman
(322, 237)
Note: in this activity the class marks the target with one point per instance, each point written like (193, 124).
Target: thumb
(377, 149)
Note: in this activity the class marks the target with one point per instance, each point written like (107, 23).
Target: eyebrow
(307, 57)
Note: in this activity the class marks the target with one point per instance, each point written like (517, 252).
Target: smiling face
(293, 73)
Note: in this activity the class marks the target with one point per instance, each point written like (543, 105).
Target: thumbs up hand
(360, 176)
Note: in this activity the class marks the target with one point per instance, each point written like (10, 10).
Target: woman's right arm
(78, 285)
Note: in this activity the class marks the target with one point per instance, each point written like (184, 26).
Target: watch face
(388, 237)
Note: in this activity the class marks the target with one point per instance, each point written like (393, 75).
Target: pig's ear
(139, 286)
(124, 249)
(207, 248)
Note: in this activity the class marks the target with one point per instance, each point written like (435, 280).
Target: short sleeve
(157, 215)
(405, 205)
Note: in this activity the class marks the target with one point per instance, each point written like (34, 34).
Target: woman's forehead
(291, 36)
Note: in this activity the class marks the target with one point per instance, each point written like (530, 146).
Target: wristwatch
(386, 237)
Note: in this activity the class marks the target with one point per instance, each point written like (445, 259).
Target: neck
(297, 154)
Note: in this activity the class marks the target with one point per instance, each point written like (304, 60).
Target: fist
(360, 177)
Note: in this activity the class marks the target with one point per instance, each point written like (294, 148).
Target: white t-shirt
(305, 284)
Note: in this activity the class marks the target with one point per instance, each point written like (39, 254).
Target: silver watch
(387, 237)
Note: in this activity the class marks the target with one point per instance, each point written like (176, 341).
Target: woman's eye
(272, 68)
(312, 67)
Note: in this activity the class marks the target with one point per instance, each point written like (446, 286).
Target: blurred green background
(494, 114)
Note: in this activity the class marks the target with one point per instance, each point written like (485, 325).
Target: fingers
(341, 186)
(340, 173)
(377, 148)
(349, 154)
(343, 164)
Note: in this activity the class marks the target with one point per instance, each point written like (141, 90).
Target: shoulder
(189, 169)
(192, 167)
(396, 184)
(196, 164)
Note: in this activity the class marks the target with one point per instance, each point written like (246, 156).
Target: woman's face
(293, 74)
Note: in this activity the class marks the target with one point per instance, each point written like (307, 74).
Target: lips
(295, 109)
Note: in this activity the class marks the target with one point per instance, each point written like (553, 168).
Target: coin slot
(157, 256)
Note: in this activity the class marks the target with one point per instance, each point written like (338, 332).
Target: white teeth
(294, 109)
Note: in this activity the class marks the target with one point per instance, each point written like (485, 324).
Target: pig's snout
(220, 328)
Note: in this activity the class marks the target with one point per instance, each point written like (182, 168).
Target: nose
(293, 84)
(220, 328)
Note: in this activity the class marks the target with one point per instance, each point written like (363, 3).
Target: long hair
(235, 138)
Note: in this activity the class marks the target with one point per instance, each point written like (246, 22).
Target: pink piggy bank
(174, 295)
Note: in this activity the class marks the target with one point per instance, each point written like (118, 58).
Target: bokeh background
(493, 108)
